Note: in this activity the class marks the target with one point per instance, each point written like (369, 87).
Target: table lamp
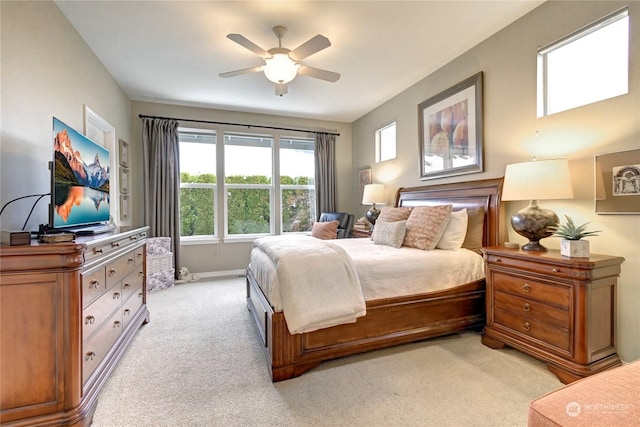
(533, 181)
(373, 193)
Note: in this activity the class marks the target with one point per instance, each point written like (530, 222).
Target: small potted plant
(572, 244)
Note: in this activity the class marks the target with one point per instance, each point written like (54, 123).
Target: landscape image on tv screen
(80, 187)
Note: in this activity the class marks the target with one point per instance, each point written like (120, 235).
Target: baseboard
(218, 274)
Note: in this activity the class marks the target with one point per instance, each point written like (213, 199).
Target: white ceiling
(172, 51)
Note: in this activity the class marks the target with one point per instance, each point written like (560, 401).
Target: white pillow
(390, 233)
(456, 230)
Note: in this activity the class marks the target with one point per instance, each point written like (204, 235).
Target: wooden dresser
(560, 310)
(68, 313)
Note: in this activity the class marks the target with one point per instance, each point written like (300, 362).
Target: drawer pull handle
(127, 311)
(527, 326)
(99, 251)
(112, 272)
(116, 295)
(526, 287)
(555, 270)
(115, 244)
(94, 284)
(116, 324)
(89, 356)
(134, 237)
(127, 286)
(526, 307)
(498, 260)
(89, 320)
(140, 295)
(140, 255)
(131, 260)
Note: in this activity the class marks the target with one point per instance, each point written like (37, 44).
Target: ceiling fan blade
(248, 44)
(241, 72)
(281, 89)
(310, 47)
(329, 76)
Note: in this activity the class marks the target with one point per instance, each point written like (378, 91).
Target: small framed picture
(617, 183)
(123, 150)
(124, 207)
(124, 180)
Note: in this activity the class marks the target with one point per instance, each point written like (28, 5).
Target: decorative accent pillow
(426, 225)
(390, 233)
(394, 214)
(475, 230)
(325, 230)
(455, 231)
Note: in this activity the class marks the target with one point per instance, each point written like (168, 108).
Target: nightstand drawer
(554, 270)
(533, 310)
(557, 337)
(557, 295)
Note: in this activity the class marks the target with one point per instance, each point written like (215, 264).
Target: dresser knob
(112, 272)
(99, 251)
(140, 295)
(94, 284)
(116, 324)
(526, 307)
(115, 244)
(130, 260)
(527, 326)
(89, 320)
(127, 311)
(127, 286)
(526, 287)
(89, 356)
(139, 255)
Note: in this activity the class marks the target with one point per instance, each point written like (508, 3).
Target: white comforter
(318, 283)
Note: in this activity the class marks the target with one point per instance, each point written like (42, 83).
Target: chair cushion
(341, 217)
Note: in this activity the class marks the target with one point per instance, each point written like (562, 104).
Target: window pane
(298, 209)
(296, 162)
(589, 66)
(386, 143)
(248, 211)
(197, 211)
(248, 156)
(197, 182)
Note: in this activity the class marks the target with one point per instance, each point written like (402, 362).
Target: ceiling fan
(281, 64)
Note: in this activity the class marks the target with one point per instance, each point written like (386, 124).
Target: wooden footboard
(388, 322)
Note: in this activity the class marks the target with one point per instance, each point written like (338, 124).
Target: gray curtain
(325, 162)
(161, 154)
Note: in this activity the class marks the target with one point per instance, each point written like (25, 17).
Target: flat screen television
(79, 180)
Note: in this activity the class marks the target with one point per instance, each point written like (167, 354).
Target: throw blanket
(318, 282)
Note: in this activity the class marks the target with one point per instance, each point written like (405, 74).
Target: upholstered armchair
(346, 222)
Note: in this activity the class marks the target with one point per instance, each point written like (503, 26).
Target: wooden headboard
(470, 194)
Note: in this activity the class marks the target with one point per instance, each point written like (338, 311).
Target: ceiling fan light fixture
(280, 68)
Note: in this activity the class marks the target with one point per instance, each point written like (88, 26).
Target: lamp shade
(280, 68)
(373, 193)
(537, 180)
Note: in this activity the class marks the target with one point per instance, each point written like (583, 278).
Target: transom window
(386, 143)
(589, 65)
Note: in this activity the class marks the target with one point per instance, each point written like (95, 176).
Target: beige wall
(508, 60)
(47, 70)
(228, 255)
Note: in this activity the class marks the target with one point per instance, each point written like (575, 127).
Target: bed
(391, 320)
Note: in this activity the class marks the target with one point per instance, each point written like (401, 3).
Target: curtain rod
(236, 124)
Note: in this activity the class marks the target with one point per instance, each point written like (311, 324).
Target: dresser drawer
(96, 348)
(132, 282)
(94, 284)
(120, 267)
(100, 310)
(557, 337)
(131, 306)
(532, 309)
(556, 295)
(538, 265)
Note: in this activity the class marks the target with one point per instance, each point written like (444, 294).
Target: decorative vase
(574, 248)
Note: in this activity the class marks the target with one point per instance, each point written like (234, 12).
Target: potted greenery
(572, 244)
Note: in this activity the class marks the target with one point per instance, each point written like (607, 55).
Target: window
(197, 182)
(248, 184)
(386, 143)
(587, 66)
(297, 184)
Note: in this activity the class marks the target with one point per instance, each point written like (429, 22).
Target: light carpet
(199, 362)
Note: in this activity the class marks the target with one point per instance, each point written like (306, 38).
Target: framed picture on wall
(124, 207)
(617, 182)
(364, 178)
(124, 180)
(450, 129)
(123, 150)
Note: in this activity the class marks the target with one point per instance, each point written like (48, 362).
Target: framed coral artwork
(450, 129)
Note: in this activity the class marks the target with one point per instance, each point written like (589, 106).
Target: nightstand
(360, 232)
(557, 309)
